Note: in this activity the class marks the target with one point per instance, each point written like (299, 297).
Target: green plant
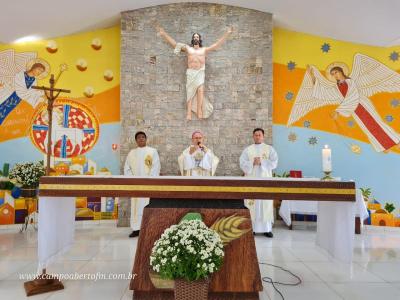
(6, 184)
(189, 250)
(389, 207)
(366, 192)
(27, 174)
(5, 170)
(284, 174)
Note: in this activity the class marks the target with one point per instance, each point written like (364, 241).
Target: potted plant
(284, 174)
(188, 253)
(27, 176)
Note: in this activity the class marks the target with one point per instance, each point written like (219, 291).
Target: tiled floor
(103, 248)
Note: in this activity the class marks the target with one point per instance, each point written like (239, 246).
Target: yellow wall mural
(86, 129)
(357, 113)
(92, 60)
(290, 70)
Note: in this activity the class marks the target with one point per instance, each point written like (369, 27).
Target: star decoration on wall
(312, 141)
(289, 96)
(389, 118)
(395, 103)
(291, 65)
(307, 124)
(292, 137)
(394, 56)
(350, 123)
(325, 47)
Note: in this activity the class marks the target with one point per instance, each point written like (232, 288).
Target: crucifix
(51, 97)
(44, 282)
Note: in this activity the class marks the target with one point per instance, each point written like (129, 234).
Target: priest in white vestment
(197, 159)
(258, 160)
(141, 161)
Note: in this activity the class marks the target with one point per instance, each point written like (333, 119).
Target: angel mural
(18, 73)
(350, 93)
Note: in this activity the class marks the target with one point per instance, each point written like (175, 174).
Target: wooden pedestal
(239, 277)
(33, 288)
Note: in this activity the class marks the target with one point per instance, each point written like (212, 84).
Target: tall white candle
(326, 159)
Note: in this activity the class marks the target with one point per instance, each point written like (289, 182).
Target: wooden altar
(172, 197)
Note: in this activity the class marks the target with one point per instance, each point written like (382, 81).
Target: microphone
(201, 147)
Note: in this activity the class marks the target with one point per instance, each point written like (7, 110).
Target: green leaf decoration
(191, 216)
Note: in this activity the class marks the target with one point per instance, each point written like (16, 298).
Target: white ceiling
(362, 21)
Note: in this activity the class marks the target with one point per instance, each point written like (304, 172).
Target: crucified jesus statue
(195, 72)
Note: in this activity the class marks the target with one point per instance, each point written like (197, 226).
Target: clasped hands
(257, 161)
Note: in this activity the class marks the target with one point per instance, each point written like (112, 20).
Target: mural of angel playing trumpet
(350, 93)
(18, 73)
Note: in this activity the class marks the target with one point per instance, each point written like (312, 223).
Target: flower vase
(28, 192)
(191, 290)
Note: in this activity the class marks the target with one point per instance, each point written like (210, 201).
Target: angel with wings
(350, 93)
(18, 73)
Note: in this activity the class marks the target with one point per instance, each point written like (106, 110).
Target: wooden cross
(46, 283)
(51, 97)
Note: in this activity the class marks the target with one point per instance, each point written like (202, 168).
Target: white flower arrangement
(27, 174)
(189, 250)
